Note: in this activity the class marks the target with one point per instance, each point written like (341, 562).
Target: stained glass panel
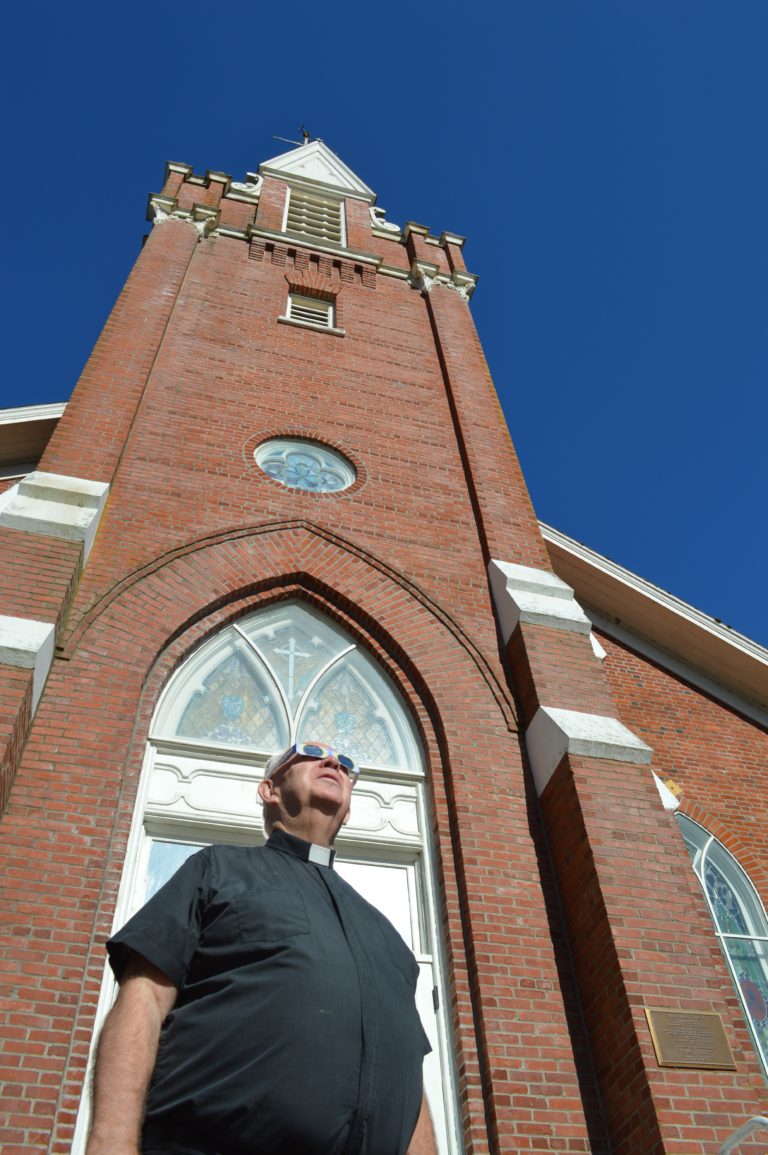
(235, 708)
(286, 674)
(305, 465)
(343, 711)
(725, 905)
(748, 959)
(296, 644)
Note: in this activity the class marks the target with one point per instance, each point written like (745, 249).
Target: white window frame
(304, 309)
(163, 812)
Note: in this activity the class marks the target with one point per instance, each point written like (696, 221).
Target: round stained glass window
(305, 465)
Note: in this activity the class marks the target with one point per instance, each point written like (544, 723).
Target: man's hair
(275, 761)
(269, 770)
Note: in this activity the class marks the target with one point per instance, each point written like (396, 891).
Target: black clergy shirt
(295, 1031)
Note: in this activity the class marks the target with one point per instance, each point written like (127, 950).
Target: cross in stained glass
(292, 652)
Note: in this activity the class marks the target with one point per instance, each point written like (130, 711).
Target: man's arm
(125, 1058)
(423, 1140)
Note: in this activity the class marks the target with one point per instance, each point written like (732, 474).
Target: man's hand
(423, 1140)
(125, 1058)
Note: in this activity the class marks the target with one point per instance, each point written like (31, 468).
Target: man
(265, 1008)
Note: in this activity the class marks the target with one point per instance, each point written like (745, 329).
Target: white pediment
(314, 163)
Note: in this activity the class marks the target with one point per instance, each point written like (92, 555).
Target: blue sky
(605, 160)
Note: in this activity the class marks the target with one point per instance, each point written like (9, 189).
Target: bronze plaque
(689, 1039)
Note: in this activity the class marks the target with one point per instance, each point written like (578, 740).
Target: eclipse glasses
(317, 750)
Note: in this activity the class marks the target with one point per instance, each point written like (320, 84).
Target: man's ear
(345, 819)
(266, 789)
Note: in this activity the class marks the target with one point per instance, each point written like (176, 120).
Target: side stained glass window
(740, 922)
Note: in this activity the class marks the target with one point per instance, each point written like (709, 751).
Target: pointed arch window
(741, 925)
(287, 675)
(281, 675)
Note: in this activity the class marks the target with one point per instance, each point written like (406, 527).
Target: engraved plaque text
(689, 1039)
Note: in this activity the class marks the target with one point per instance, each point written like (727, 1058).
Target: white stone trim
(599, 652)
(28, 644)
(25, 413)
(538, 597)
(425, 277)
(379, 221)
(248, 190)
(394, 271)
(666, 795)
(161, 209)
(553, 733)
(294, 240)
(452, 239)
(6, 497)
(54, 505)
(316, 328)
(462, 283)
(314, 163)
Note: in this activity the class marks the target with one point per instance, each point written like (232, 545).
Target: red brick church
(283, 503)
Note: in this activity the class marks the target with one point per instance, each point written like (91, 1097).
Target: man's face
(305, 784)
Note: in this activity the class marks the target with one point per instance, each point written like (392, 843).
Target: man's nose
(332, 760)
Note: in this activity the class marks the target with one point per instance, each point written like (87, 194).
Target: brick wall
(716, 756)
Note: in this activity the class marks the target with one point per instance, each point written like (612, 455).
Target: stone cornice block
(452, 239)
(54, 505)
(538, 597)
(415, 228)
(553, 733)
(28, 644)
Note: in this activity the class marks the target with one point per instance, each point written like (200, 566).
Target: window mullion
(312, 685)
(744, 937)
(268, 667)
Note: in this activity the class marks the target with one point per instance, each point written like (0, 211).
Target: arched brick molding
(118, 663)
(751, 863)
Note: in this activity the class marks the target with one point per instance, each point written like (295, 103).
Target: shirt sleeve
(167, 928)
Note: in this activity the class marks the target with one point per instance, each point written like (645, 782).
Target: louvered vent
(314, 216)
(310, 310)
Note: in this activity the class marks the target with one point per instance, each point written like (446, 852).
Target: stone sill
(315, 328)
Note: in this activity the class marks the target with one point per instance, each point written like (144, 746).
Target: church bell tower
(283, 502)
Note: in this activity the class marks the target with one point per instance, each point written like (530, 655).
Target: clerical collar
(299, 848)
